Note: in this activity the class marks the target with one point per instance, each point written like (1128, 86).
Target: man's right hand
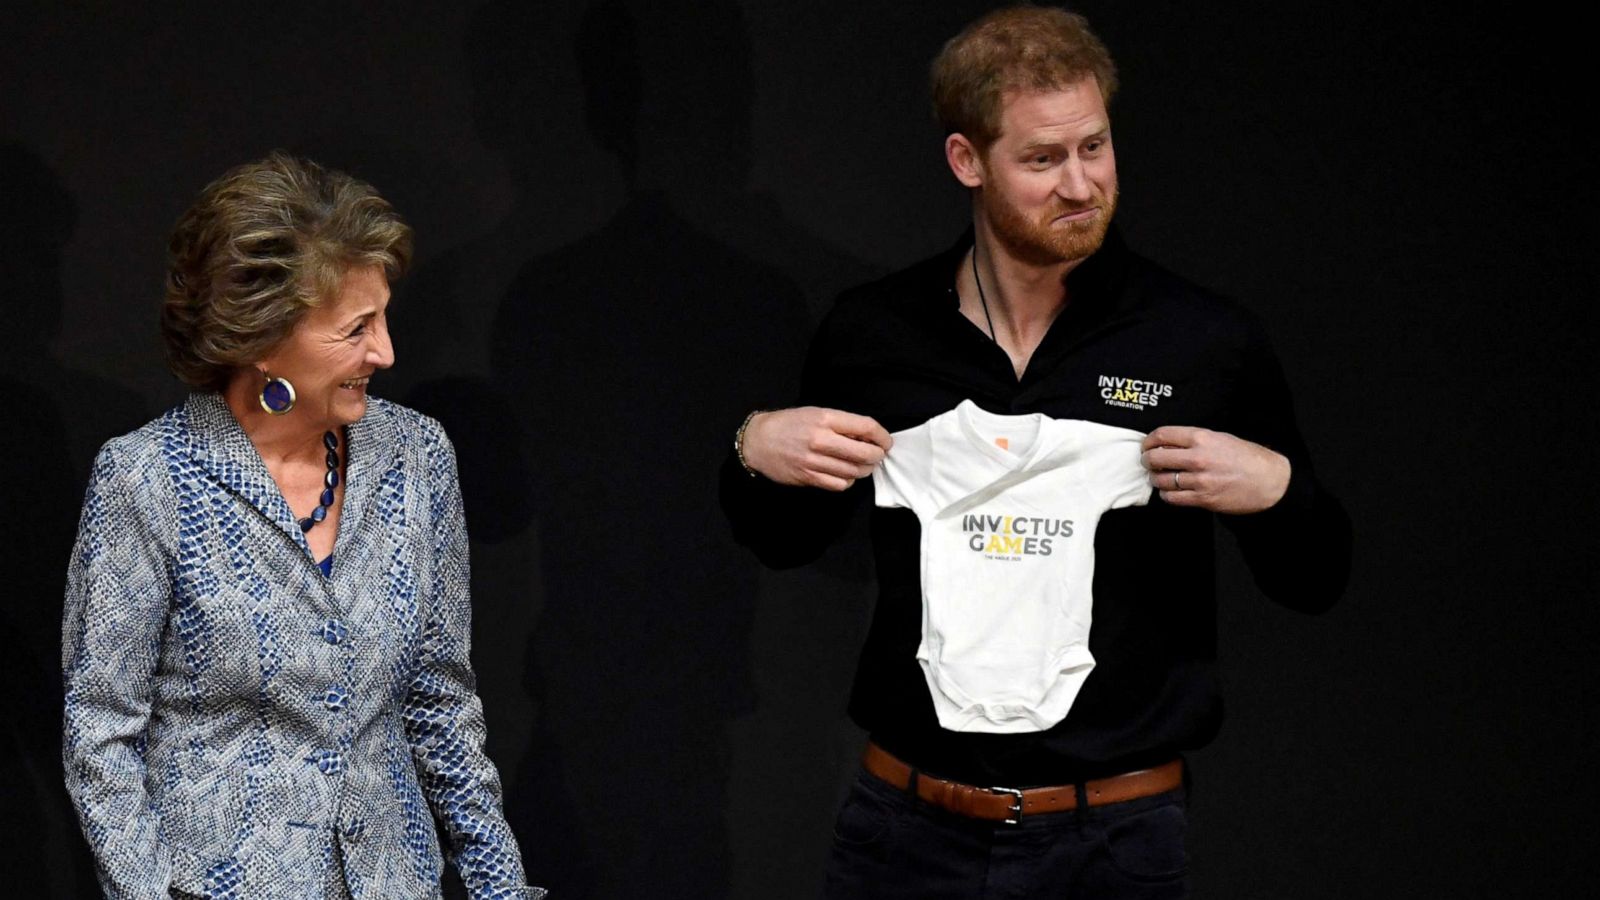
(809, 446)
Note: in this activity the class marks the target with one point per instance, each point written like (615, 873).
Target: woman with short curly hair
(267, 617)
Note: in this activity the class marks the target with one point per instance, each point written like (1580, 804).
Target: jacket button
(334, 632)
(335, 699)
(329, 762)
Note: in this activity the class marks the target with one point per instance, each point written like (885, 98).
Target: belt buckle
(1016, 802)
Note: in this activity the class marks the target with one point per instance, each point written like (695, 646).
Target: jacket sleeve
(117, 596)
(443, 715)
(791, 526)
(1298, 550)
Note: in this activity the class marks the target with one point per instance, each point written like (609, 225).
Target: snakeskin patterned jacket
(240, 726)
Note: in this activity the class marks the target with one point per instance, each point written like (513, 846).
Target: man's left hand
(1214, 470)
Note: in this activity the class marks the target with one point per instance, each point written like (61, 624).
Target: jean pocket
(864, 818)
(1148, 845)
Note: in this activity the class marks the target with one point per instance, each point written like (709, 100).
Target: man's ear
(966, 163)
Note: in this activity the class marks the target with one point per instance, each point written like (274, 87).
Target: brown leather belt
(1009, 804)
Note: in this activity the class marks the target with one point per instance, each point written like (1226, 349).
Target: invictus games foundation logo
(1131, 393)
(1013, 537)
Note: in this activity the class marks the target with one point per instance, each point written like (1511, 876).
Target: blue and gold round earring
(277, 395)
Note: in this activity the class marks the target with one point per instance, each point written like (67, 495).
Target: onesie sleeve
(1121, 472)
(898, 479)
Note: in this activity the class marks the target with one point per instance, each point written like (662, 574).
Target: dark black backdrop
(629, 214)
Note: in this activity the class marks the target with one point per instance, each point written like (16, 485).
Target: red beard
(1040, 243)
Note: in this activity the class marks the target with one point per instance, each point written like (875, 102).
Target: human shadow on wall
(36, 532)
(628, 357)
(496, 488)
(57, 417)
(439, 320)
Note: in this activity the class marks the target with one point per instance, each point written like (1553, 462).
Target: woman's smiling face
(335, 348)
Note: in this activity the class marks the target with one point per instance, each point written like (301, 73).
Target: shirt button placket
(334, 699)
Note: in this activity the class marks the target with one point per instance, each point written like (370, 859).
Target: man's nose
(1074, 183)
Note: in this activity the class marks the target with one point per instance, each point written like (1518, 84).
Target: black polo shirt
(1136, 347)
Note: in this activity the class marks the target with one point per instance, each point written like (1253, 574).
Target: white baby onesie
(1009, 507)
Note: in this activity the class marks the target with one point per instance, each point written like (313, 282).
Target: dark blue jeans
(888, 845)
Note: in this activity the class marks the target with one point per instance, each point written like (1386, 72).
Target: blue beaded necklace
(329, 482)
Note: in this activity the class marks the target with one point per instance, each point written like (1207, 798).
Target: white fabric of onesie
(1009, 507)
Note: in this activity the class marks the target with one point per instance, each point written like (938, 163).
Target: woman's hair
(260, 246)
(1020, 48)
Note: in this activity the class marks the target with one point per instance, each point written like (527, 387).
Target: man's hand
(1213, 470)
(814, 447)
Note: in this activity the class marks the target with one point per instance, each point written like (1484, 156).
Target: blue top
(326, 566)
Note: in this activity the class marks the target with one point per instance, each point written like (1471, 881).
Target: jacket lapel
(372, 451)
(224, 451)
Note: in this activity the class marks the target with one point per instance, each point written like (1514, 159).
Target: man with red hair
(984, 777)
